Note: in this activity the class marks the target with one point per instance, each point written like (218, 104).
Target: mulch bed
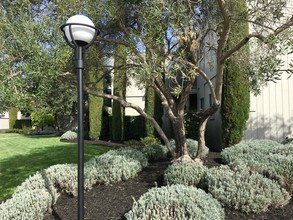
(112, 202)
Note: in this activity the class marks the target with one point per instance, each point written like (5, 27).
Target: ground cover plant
(269, 158)
(176, 202)
(105, 201)
(39, 192)
(22, 156)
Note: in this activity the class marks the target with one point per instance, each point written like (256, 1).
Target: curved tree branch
(138, 109)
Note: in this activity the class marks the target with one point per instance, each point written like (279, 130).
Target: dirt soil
(112, 202)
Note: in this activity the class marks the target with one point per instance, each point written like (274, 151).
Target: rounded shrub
(130, 153)
(189, 174)
(63, 177)
(69, 135)
(176, 202)
(244, 189)
(156, 152)
(192, 147)
(108, 169)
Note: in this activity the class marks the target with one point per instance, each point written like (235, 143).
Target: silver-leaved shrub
(30, 200)
(269, 158)
(244, 189)
(189, 174)
(39, 192)
(69, 135)
(176, 202)
(108, 169)
(130, 153)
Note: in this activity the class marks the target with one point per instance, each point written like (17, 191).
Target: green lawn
(22, 156)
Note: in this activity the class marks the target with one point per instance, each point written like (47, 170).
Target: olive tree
(167, 40)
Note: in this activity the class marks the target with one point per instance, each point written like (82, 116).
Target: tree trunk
(202, 128)
(201, 136)
(180, 140)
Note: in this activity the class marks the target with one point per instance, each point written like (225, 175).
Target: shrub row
(267, 157)
(39, 192)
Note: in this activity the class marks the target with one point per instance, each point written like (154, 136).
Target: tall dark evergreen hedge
(95, 71)
(119, 90)
(154, 108)
(12, 117)
(235, 96)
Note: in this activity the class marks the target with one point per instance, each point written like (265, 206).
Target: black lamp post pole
(80, 168)
(77, 35)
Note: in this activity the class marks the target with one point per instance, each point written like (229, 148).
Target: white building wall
(4, 121)
(136, 96)
(271, 112)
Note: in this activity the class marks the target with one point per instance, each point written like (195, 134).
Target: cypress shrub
(12, 117)
(150, 110)
(95, 103)
(235, 96)
(153, 107)
(119, 90)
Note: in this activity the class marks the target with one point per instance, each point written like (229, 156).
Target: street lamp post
(80, 33)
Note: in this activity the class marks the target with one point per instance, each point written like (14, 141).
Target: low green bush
(189, 174)
(149, 141)
(244, 189)
(176, 202)
(156, 152)
(192, 147)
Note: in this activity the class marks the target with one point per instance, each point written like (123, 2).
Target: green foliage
(149, 140)
(35, 55)
(95, 72)
(192, 147)
(189, 174)
(24, 124)
(244, 189)
(120, 91)
(12, 117)
(42, 120)
(176, 202)
(191, 123)
(236, 95)
(153, 108)
(156, 152)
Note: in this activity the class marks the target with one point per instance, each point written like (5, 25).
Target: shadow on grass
(14, 170)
